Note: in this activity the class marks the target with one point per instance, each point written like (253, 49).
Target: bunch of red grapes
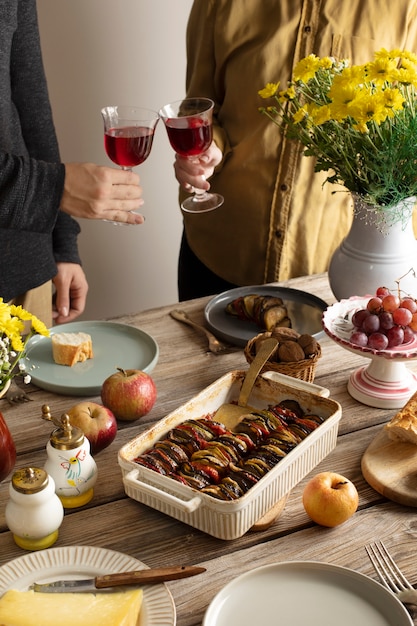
(388, 320)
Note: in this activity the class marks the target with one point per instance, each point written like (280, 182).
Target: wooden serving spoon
(231, 414)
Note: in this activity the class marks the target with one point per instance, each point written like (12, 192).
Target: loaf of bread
(71, 348)
(403, 426)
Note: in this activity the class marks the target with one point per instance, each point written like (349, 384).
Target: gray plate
(305, 592)
(304, 309)
(114, 345)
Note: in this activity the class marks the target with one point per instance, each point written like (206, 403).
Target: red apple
(7, 450)
(97, 423)
(330, 499)
(130, 394)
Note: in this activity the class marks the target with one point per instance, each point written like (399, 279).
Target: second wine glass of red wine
(188, 123)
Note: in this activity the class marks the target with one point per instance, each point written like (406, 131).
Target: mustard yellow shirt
(277, 221)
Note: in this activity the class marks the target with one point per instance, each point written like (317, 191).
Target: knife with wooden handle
(139, 577)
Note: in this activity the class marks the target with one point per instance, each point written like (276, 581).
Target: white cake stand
(385, 382)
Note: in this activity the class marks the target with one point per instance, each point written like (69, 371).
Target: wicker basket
(304, 370)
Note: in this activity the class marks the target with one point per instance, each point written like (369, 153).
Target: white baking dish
(231, 519)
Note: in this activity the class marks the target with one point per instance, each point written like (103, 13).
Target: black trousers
(195, 280)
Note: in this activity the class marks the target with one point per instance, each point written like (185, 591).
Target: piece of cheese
(30, 608)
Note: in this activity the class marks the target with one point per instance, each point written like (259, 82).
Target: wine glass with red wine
(188, 124)
(128, 134)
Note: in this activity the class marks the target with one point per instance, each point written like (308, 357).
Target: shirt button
(307, 29)
(278, 233)
(284, 187)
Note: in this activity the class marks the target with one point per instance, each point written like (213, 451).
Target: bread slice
(403, 426)
(71, 348)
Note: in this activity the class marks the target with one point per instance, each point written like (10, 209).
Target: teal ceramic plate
(114, 345)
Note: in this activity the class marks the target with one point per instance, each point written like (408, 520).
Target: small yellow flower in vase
(17, 326)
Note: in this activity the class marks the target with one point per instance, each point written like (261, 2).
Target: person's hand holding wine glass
(189, 127)
(128, 134)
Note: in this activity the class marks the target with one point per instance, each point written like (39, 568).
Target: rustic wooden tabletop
(114, 521)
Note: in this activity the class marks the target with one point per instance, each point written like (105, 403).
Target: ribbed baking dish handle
(189, 506)
(303, 385)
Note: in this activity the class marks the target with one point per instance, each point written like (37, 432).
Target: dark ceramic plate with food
(305, 311)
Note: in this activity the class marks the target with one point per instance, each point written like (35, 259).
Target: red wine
(189, 137)
(128, 146)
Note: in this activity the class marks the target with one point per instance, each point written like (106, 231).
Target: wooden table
(113, 521)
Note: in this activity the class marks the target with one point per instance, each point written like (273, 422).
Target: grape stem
(403, 276)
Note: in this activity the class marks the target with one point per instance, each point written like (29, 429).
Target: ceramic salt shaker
(34, 512)
(69, 462)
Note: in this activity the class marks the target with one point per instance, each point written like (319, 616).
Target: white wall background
(102, 52)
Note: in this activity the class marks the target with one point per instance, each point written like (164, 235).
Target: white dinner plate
(114, 345)
(305, 593)
(75, 562)
(304, 309)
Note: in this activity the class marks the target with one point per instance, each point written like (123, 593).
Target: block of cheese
(403, 426)
(71, 348)
(30, 608)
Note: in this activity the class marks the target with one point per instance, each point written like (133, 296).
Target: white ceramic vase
(373, 255)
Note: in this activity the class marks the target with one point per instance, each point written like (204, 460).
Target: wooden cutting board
(390, 467)
(270, 516)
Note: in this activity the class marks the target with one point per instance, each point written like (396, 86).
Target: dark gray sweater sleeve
(31, 174)
(34, 233)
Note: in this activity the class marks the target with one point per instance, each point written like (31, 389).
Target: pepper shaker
(69, 462)
(34, 512)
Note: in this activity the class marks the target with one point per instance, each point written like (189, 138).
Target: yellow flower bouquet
(14, 337)
(359, 122)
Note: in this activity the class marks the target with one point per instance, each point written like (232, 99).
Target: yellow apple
(330, 499)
